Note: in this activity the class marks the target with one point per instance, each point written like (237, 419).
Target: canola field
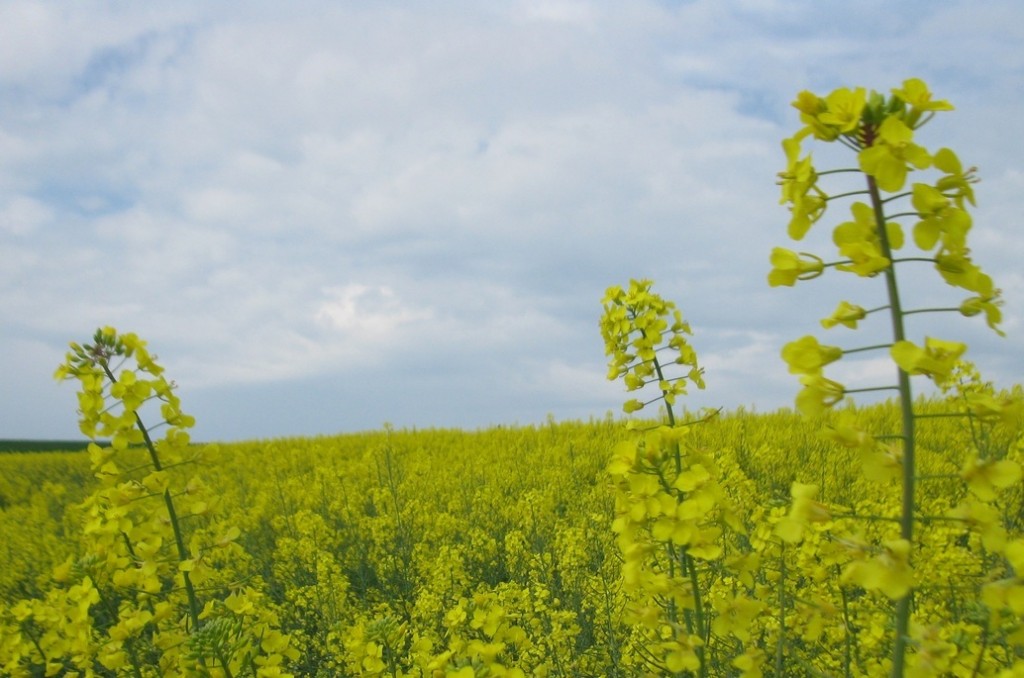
(500, 552)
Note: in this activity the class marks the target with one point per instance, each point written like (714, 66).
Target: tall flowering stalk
(153, 546)
(691, 615)
(880, 131)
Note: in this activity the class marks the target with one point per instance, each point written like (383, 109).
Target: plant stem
(687, 560)
(874, 347)
(848, 636)
(781, 642)
(172, 514)
(902, 621)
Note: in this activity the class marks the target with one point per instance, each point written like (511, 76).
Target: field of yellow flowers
(442, 552)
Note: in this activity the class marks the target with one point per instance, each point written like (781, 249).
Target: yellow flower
(706, 544)
(882, 463)
(987, 305)
(805, 509)
(843, 108)
(749, 663)
(130, 390)
(983, 518)
(818, 394)
(807, 356)
(744, 565)
(681, 653)
(935, 653)
(936, 360)
(736, 614)
(1004, 594)
(887, 157)
(845, 314)
(984, 477)
(888, 572)
(623, 458)
(799, 188)
(809, 103)
(915, 92)
(859, 241)
(1007, 410)
(805, 212)
(848, 433)
(939, 218)
(789, 266)
(957, 181)
(957, 269)
(811, 106)
(632, 405)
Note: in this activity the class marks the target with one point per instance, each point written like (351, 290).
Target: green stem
(843, 170)
(902, 621)
(927, 260)
(845, 195)
(179, 537)
(35, 641)
(698, 605)
(848, 635)
(687, 560)
(865, 348)
(904, 194)
(780, 644)
(868, 389)
(932, 310)
(984, 648)
(224, 664)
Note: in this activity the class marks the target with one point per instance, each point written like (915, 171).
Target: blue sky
(324, 216)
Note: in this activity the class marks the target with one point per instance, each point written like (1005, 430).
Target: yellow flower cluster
(634, 327)
(881, 130)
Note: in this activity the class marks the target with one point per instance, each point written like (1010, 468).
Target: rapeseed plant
(675, 519)
(880, 130)
(132, 602)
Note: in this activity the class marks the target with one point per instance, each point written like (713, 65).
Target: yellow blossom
(936, 359)
(916, 93)
(818, 394)
(987, 305)
(888, 572)
(887, 158)
(984, 518)
(805, 509)
(846, 314)
(843, 108)
(882, 463)
(789, 266)
(736, 614)
(806, 356)
(985, 476)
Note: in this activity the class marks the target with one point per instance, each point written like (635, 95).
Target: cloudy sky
(324, 216)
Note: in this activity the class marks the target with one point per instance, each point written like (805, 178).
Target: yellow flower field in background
(442, 552)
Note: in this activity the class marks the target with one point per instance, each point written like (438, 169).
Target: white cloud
(23, 215)
(367, 315)
(439, 195)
